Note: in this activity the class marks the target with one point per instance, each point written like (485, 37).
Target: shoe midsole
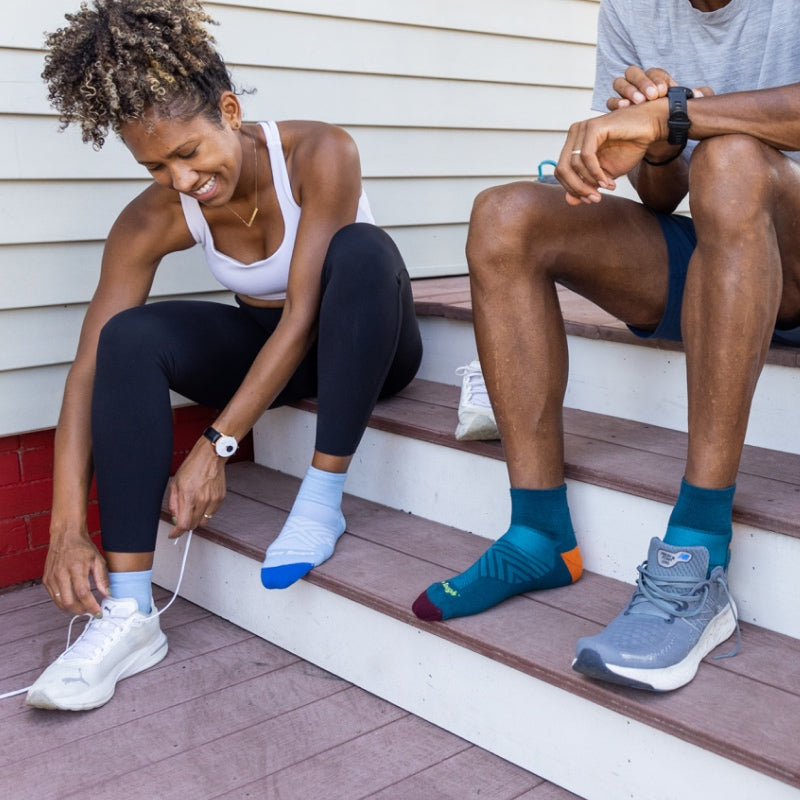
(664, 679)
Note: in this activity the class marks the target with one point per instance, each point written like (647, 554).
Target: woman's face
(195, 156)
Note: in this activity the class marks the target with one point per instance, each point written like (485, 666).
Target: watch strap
(212, 434)
(678, 122)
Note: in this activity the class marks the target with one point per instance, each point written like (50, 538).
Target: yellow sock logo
(449, 589)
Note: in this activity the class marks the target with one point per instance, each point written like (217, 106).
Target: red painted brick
(9, 444)
(185, 435)
(195, 414)
(93, 517)
(245, 451)
(25, 498)
(37, 464)
(13, 536)
(39, 529)
(38, 439)
(9, 468)
(97, 543)
(21, 567)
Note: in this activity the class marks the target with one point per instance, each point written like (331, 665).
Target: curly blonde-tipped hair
(120, 58)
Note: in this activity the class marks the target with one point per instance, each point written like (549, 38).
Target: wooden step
(627, 456)
(733, 730)
(450, 298)
(622, 477)
(611, 371)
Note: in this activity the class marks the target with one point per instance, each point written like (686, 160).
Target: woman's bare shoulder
(153, 222)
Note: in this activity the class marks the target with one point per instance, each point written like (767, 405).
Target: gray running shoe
(675, 617)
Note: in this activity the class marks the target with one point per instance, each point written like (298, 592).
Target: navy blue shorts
(681, 240)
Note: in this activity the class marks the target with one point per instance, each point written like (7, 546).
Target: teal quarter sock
(703, 517)
(311, 531)
(538, 551)
(137, 585)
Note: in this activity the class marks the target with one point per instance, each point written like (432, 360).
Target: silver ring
(576, 152)
(208, 516)
(57, 594)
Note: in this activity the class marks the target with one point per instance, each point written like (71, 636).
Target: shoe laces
(97, 632)
(95, 638)
(682, 597)
(474, 384)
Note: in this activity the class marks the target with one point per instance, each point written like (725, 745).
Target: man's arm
(599, 150)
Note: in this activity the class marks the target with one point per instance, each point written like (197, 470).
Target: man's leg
(523, 240)
(741, 277)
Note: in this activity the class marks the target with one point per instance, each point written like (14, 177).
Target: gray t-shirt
(748, 44)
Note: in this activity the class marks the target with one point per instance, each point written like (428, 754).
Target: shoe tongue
(123, 607)
(669, 561)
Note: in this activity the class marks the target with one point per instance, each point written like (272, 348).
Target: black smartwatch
(678, 122)
(224, 445)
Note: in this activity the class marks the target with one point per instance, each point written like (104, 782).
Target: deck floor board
(226, 715)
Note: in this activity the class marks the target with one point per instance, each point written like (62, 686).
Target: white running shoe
(475, 416)
(120, 643)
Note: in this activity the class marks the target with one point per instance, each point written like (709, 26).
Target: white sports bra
(266, 279)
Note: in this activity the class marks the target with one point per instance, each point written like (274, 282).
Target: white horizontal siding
(443, 98)
(31, 149)
(559, 20)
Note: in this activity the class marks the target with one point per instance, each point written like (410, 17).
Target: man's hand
(638, 86)
(599, 150)
(197, 489)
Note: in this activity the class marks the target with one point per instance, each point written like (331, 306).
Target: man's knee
(501, 223)
(731, 174)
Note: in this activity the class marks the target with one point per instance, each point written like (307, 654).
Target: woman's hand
(71, 563)
(197, 489)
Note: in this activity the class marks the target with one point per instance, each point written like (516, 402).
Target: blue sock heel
(703, 517)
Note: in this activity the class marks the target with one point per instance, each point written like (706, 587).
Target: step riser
(644, 384)
(470, 492)
(586, 748)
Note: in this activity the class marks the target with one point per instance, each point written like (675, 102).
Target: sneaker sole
(479, 428)
(665, 679)
(101, 694)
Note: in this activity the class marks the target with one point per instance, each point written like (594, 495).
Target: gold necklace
(249, 222)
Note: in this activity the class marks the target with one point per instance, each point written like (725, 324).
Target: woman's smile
(206, 191)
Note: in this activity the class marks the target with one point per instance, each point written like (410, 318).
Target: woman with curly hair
(323, 309)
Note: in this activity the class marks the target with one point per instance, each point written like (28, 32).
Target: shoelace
(90, 637)
(476, 387)
(685, 600)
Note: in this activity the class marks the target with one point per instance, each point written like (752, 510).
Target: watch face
(226, 446)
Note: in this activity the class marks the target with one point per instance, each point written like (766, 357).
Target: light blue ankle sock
(137, 585)
(311, 531)
(538, 551)
(703, 517)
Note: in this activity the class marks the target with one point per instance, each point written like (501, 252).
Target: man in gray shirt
(714, 84)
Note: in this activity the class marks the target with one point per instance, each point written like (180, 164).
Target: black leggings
(368, 346)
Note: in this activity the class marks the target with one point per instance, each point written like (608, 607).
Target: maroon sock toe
(424, 609)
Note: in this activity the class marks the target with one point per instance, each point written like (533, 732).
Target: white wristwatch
(225, 446)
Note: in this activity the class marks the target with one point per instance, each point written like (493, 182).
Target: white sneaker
(475, 416)
(115, 646)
